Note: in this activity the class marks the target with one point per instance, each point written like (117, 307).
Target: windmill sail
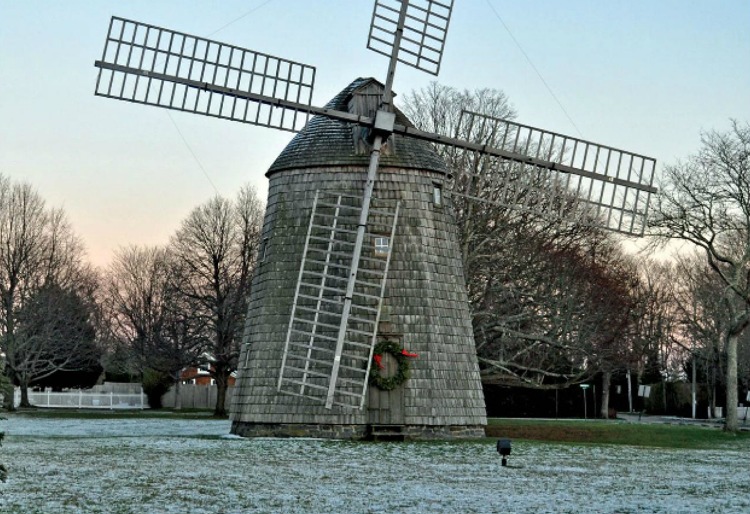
(151, 65)
(424, 25)
(534, 169)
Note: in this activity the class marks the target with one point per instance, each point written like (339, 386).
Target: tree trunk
(606, 381)
(731, 423)
(222, 377)
(24, 394)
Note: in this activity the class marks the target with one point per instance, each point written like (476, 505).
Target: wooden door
(386, 407)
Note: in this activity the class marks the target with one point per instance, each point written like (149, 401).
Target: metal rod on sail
(372, 172)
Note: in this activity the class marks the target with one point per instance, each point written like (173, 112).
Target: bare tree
(214, 253)
(157, 330)
(705, 200)
(55, 332)
(137, 295)
(702, 319)
(39, 256)
(535, 282)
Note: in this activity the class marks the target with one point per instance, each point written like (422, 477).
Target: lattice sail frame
(314, 364)
(423, 39)
(151, 65)
(562, 176)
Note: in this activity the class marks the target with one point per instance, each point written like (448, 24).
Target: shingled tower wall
(425, 306)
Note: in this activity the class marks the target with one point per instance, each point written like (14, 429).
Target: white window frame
(437, 194)
(382, 245)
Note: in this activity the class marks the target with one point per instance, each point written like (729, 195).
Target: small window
(437, 194)
(382, 246)
(263, 249)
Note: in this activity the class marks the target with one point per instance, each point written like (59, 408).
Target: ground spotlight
(503, 448)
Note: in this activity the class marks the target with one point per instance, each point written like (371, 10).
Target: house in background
(201, 374)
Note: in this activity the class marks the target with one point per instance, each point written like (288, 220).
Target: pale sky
(643, 75)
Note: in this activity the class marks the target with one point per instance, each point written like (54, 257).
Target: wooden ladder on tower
(314, 364)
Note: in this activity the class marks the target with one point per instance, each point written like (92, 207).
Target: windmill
(356, 268)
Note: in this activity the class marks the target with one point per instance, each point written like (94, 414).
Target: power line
(184, 140)
(187, 145)
(528, 59)
(248, 13)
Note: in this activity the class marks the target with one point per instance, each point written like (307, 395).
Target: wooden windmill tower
(359, 273)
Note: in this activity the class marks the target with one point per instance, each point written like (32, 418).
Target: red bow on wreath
(379, 358)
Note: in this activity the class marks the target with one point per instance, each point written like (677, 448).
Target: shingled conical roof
(325, 142)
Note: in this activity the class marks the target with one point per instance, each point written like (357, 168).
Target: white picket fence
(84, 400)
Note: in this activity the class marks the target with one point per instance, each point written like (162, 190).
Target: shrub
(155, 385)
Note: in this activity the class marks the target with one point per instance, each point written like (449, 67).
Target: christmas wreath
(402, 372)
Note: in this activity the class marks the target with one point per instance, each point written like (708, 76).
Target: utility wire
(528, 59)
(187, 145)
(184, 140)
(248, 13)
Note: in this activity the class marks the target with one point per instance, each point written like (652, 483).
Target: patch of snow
(178, 466)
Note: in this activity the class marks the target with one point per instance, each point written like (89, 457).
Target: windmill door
(386, 407)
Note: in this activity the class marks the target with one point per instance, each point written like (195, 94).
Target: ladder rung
(329, 240)
(362, 307)
(325, 288)
(335, 229)
(319, 299)
(365, 295)
(315, 336)
(360, 345)
(357, 370)
(323, 275)
(362, 320)
(380, 260)
(306, 384)
(308, 347)
(305, 358)
(340, 194)
(347, 393)
(327, 252)
(378, 272)
(347, 405)
(317, 311)
(360, 332)
(367, 284)
(382, 213)
(339, 206)
(308, 371)
(325, 263)
(349, 381)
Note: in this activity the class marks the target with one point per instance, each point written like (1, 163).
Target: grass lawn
(167, 463)
(655, 435)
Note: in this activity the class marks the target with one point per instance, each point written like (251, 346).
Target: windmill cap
(324, 142)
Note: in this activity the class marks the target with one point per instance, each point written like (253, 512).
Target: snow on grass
(180, 466)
